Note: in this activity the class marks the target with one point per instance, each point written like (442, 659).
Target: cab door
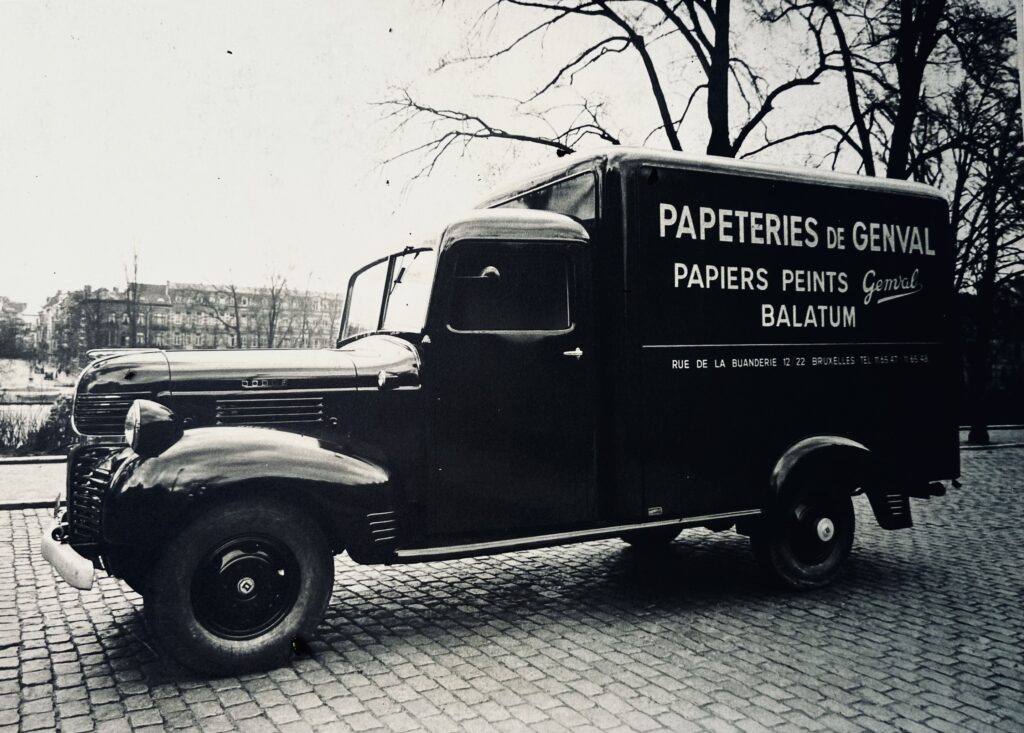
(511, 376)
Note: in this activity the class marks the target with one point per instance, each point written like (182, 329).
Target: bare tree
(78, 329)
(132, 298)
(304, 337)
(911, 35)
(698, 29)
(225, 307)
(980, 162)
(278, 325)
(12, 331)
(885, 50)
(260, 314)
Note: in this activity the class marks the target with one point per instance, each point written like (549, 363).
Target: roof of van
(619, 156)
(496, 224)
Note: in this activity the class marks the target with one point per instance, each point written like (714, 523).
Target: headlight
(150, 428)
(131, 424)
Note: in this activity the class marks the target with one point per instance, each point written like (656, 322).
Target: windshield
(366, 294)
(411, 279)
(391, 295)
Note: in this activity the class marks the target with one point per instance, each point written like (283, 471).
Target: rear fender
(838, 458)
(150, 497)
(834, 461)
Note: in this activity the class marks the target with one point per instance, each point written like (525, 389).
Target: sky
(227, 141)
(218, 141)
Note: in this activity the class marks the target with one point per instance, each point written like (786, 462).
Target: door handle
(577, 352)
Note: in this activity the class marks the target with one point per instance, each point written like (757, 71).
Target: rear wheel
(239, 585)
(806, 542)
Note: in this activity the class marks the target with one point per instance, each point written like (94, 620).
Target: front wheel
(237, 586)
(808, 539)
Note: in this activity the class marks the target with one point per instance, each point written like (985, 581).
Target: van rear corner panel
(771, 309)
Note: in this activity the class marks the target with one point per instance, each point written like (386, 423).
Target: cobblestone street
(923, 632)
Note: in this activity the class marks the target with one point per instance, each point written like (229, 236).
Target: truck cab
(626, 344)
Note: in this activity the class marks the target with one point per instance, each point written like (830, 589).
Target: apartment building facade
(184, 316)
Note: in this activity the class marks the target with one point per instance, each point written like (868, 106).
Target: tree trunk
(718, 85)
(133, 314)
(238, 319)
(902, 129)
(917, 35)
(864, 138)
(979, 370)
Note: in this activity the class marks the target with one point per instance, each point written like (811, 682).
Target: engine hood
(259, 369)
(158, 373)
(135, 371)
(109, 386)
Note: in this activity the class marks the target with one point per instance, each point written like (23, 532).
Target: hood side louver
(269, 410)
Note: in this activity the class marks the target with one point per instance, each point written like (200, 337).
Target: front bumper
(78, 571)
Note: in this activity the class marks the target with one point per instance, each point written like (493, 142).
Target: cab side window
(521, 287)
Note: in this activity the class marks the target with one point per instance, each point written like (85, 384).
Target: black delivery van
(628, 344)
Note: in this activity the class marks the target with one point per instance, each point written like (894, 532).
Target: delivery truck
(628, 344)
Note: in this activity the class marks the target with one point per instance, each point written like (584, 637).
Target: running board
(563, 537)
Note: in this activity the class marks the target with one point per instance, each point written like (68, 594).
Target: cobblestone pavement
(924, 632)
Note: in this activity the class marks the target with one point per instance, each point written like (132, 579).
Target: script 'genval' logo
(261, 383)
(882, 289)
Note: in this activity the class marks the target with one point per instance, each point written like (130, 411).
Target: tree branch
(843, 134)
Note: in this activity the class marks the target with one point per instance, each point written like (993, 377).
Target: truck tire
(651, 539)
(805, 543)
(239, 585)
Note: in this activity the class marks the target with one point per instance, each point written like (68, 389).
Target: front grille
(103, 414)
(87, 484)
(270, 410)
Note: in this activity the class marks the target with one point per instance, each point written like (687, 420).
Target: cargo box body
(745, 308)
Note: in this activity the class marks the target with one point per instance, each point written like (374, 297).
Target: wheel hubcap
(812, 532)
(245, 586)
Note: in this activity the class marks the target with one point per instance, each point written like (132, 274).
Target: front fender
(150, 497)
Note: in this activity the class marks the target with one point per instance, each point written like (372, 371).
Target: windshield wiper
(401, 272)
